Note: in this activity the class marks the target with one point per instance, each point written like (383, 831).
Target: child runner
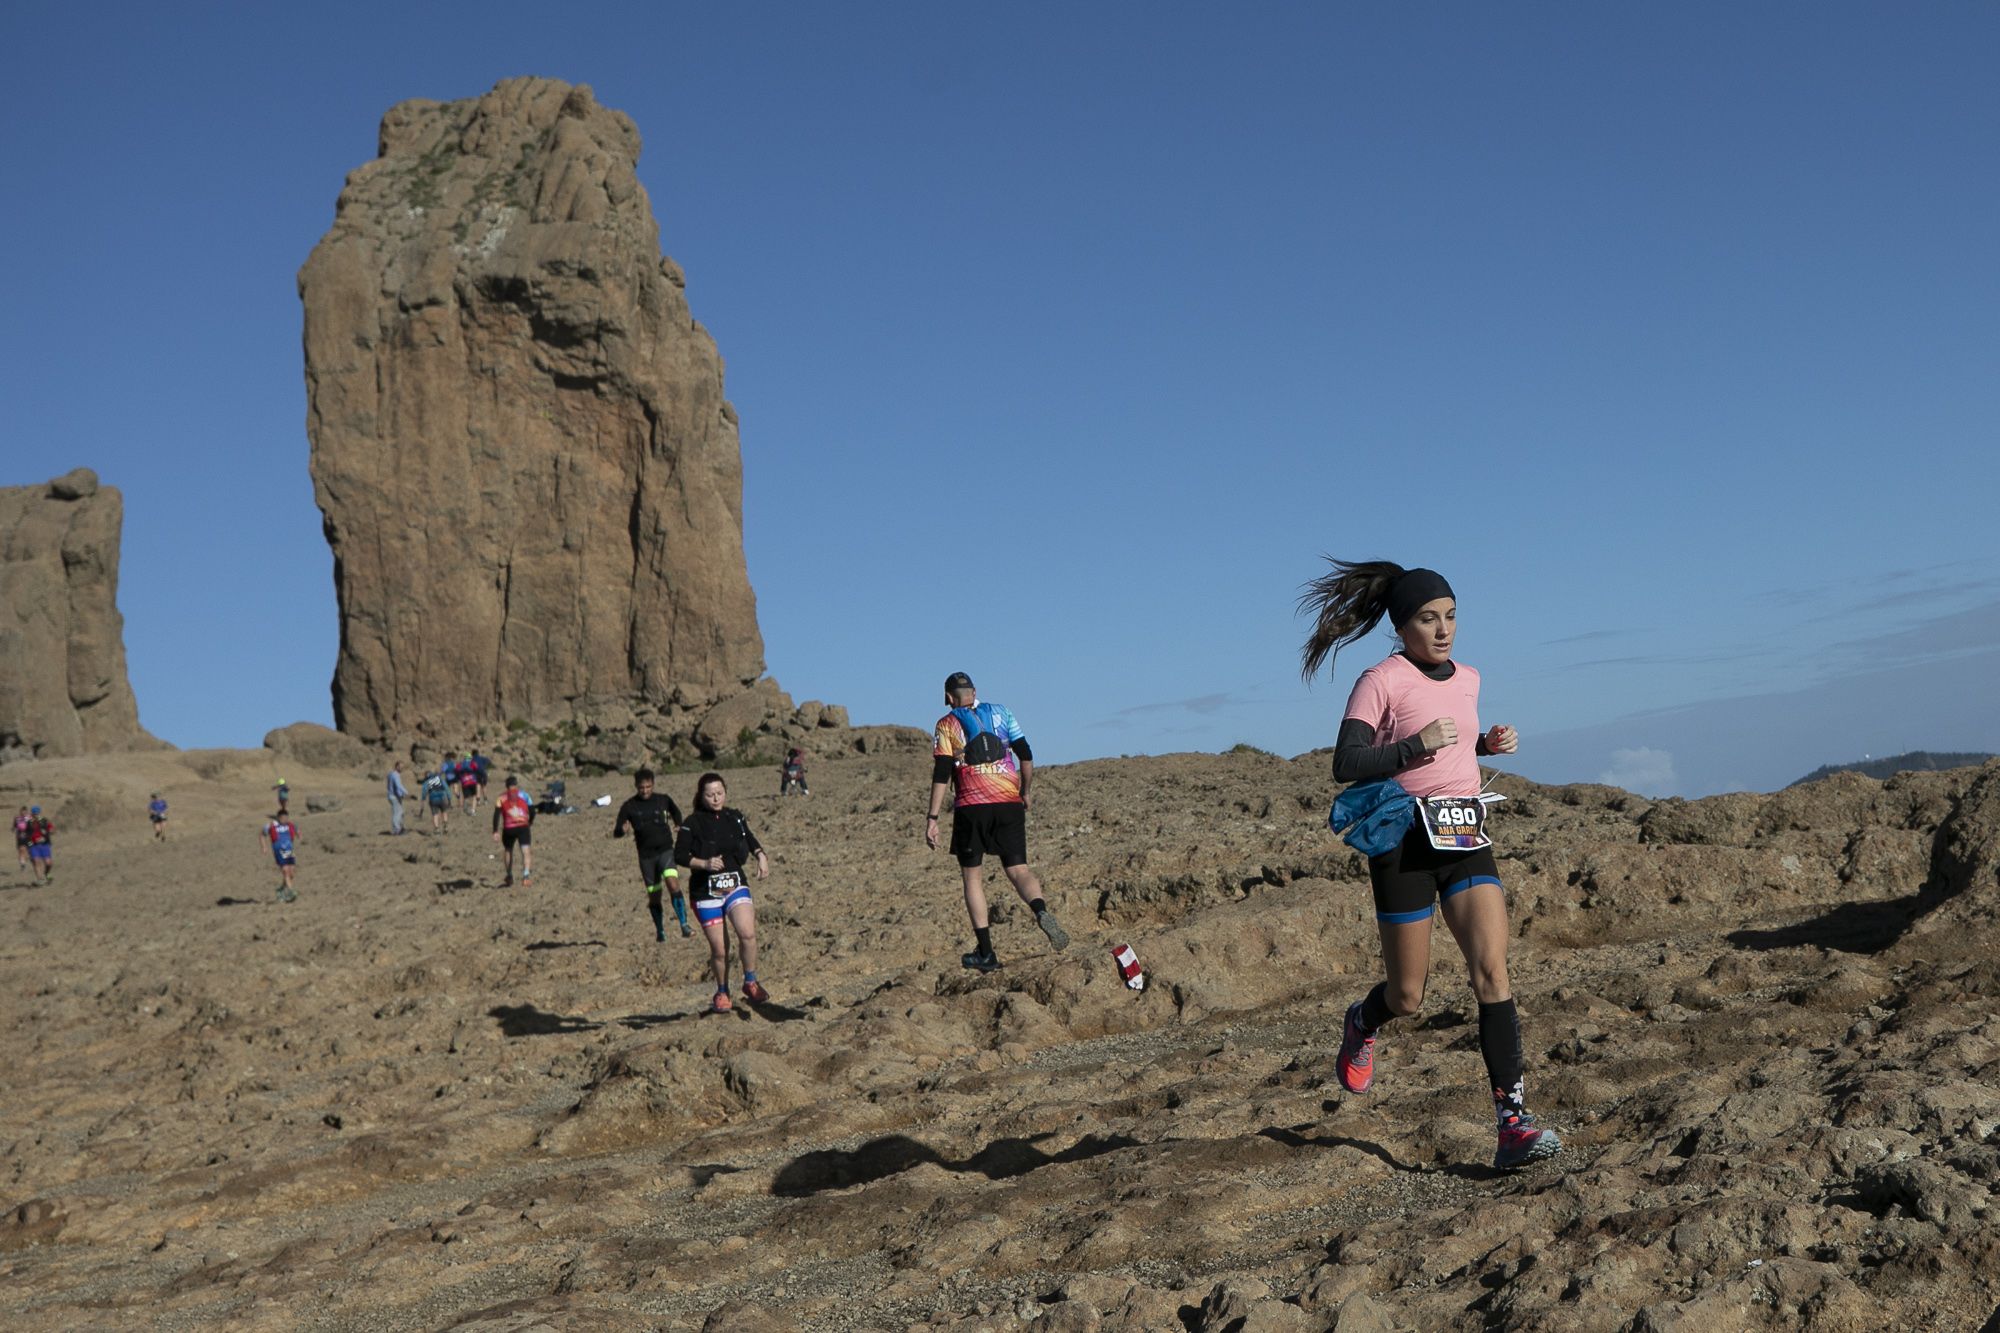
(513, 826)
(156, 810)
(714, 844)
(436, 787)
(42, 845)
(21, 841)
(653, 819)
(1414, 717)
(283, 836)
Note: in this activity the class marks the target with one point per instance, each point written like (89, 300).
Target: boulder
(721, 727)
(315, 746)
(63, 686)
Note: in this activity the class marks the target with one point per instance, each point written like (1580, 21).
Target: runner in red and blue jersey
(283, 836)
(1415, 718)
(980, 753)
(41, 845)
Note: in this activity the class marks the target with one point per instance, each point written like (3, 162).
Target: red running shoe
(1521, 1143)
(721, 1004)
(754, 992)
(1356, 1063)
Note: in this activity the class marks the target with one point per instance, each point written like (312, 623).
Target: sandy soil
(1768, 1028)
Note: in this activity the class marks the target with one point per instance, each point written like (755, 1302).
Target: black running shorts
(1410, 881)
(652, 865)
(1001, 829)
(511, 838)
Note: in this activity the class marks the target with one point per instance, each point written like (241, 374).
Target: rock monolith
(63, 687)
(528, 472)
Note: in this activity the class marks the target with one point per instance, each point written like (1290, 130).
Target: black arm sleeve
(942, 768)
(1357, 758)
(674, 812)
(684, 846)
(1021, 750)
(756, 848)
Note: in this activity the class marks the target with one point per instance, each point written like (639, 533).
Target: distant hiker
(283, 836)
(284, 791)
(480, 765)
(1409, 719)
(437, 797)
(513, 826)
(21, 841)
(156, 811)
(653, 819)
(715, 844)
(792, 773)
(42, 845)
(398, 793)
(469, 784)
(980, 752)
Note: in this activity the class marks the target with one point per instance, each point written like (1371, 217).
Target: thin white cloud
(1644, 770)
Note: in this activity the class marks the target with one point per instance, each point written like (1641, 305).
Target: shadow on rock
(881, 1158)
(237, 902)
(1863, 928)
(563, 944)
(775, 1012)
(1291, 1138)
(639, 1022)
(524, 1020)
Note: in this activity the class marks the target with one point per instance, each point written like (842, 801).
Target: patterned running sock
(1500, 1043)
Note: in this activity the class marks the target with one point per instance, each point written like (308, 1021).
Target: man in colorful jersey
(283, 836)
(979, 752)
(513, 820)
(42, 845)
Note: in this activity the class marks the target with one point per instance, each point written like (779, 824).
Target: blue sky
(1066, 339)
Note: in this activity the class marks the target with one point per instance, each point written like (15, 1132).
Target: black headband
(1413, 590)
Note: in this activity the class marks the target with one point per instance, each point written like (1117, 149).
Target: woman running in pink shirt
(1414, 717)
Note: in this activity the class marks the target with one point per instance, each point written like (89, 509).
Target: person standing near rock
(283, 837)
(21, 841)
(42, 845)
(715, 844)
(398, 793)
(980, 753)
(792, 773)
(1414, 718)
(156, 811)
(513, 826)
(653, 819)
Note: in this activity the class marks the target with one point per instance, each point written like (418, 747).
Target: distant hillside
(1918, 761)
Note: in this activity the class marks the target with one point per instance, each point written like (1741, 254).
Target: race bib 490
(1455, 823)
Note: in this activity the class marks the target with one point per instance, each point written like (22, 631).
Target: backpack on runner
(983, 742)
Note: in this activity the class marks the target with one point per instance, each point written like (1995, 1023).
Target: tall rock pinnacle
(63, 687)
(528, 472)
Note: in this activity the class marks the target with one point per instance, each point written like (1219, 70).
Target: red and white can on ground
(1128, 966)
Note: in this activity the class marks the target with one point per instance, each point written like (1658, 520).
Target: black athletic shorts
(511, 838)
(1410, 881)
(1001, 829)
(652, 865)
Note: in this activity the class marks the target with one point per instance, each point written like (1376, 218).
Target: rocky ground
(1767, 1026)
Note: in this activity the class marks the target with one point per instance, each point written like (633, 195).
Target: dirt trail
(1768, 1028)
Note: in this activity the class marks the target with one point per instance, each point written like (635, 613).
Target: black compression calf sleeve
(657, 912)
(1500, 1043)
(1375, 1009)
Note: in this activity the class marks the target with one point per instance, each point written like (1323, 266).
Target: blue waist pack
(1376, 816)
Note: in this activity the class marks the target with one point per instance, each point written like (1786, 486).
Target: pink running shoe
(1356, 1062)
(721, 1004)
(1521, 1142)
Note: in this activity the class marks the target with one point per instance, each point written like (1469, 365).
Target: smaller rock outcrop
(63, 686)
(315, 746)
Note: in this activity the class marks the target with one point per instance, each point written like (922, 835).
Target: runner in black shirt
(653, 821)
(715, 844)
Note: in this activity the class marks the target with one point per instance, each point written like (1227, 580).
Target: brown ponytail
(1345, 603)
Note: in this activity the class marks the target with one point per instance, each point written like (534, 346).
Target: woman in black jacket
(715, 844)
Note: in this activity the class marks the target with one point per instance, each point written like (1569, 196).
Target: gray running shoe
(1052, 928)
(980, 962)
(286, 895)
